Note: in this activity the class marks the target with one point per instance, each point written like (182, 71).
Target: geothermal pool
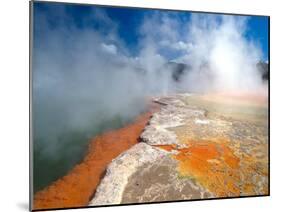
(55, 158)
(225, 152)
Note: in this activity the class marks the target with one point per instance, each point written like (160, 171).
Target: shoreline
(76, 188)
(187, 154)
(176, 129)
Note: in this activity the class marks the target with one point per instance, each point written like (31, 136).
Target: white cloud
(109, 48)
(180, 45)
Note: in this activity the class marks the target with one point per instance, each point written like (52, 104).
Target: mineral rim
(77, 187)
(194, 147)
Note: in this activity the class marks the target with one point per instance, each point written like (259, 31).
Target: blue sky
(128, 20)
(258, 31)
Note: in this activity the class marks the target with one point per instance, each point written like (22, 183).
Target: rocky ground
(77, 187)
(189, 151)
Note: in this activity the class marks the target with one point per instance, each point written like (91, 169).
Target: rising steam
(83, 76)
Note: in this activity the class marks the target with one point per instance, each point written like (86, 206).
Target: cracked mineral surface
(195, 147)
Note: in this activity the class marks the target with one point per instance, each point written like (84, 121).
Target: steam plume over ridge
(221, 51)
(85, 73)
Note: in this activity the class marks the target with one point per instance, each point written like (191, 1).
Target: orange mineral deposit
(78, 186)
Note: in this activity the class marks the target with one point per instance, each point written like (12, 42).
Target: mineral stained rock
(118, 172)
(143, 174)
(190, 151)
(76, 188)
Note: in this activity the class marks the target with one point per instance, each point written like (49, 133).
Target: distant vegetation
(263, 69)
(180, 69)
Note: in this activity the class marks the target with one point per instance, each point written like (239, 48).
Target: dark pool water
(55, 156)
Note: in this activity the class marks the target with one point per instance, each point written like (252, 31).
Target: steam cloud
(84, 75)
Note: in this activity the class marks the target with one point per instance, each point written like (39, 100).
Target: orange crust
(78, 186)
